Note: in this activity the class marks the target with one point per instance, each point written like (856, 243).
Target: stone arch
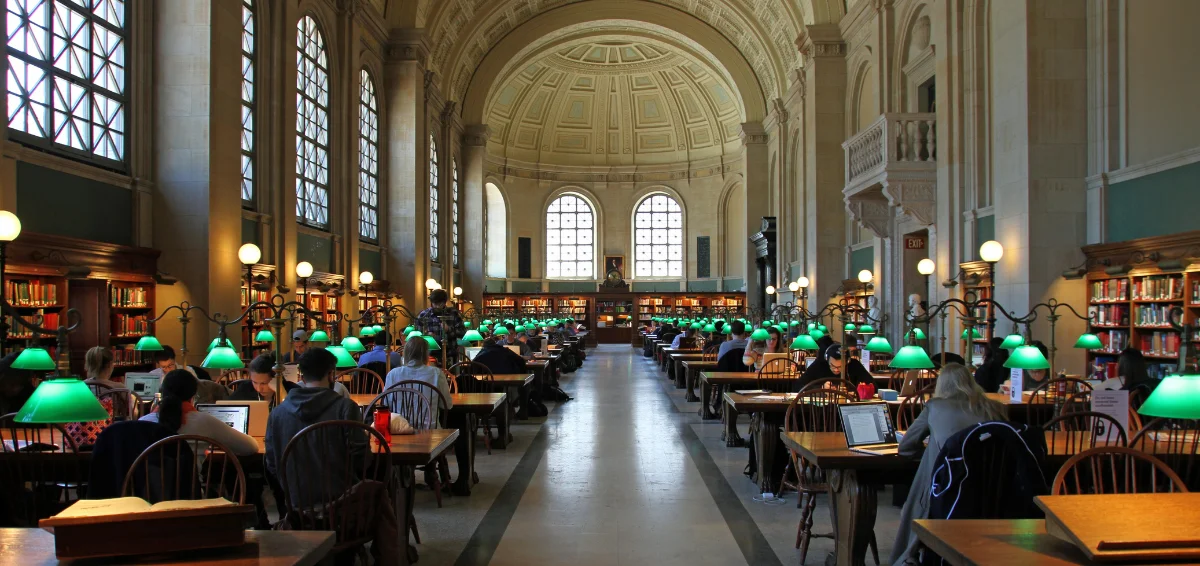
(863, 102)
(731, 214)
(914, 43)
(495, 202)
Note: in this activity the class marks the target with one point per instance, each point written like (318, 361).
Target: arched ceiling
(606, 99)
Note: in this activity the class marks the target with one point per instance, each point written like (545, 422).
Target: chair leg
(803, 505)
(809, 508)
(487, 435)
(874, 548)
(412, 524)
(437, 485)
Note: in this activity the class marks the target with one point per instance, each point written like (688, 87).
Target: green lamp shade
(1027, 357)
(501, 331)
(1176, 397)
(412, 333)
(816, 334)
(319, 336)
(36, 359)
(850, 327)
(352, 344)
(812, 326)
(794, 323)
(409, 329)
(1013, 340)
(265, 335)
(520, 328)
(366, 332)
(697, 326)
(822, 328)
(485, 329)
(804, 342)
(65, 400)
(759, 334)
(726, 329)
(866, 329)
(466, 324)
(433, 345)
(473, 336)
(879, 345)
(487, 322)
(915, 334)
(148, 344)
(911, 357)
(710, 327)
(377, 328)
(213, 344)
(971, 333)
(344, 359)
(1089, 341)
(222, 357)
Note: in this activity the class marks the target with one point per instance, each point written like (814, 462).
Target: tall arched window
(66, 76)
(658, 237)
(570, 238)
(247, 104)
(454, 211)
(368, 159)
(495, 232)
(434, 209)
(312, 125)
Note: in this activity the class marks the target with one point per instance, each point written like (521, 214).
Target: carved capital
(915, 198)
(477, 135)
(753, 133)
(407, 45)
(821, 40)
(873, 211)
(778, 115)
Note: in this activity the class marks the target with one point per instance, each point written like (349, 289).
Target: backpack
(990, 470)
(536, 409)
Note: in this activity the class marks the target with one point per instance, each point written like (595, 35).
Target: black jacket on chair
(114, 452)
(732, 361)
(967, 484)
(500, 359)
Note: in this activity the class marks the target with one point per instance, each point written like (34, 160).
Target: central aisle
(617, 483)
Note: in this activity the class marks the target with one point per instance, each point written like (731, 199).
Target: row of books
(1109, 315)
(127, 356)
(1159, 371)
(1158, 287)
(131, 325)
(1113, 341)
(1195, 292)
(1152, 315)
(1110, 290)
(33, 293)
(255, 296)
(1160, 343)
(40, 318)
(128, 297)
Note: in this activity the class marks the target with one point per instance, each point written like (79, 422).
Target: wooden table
(472, 406)
(691, 375)
(668, 351)
(517, 387)
(708, 379)
(767, 412)
(675, 367)
(1021, 541)
(34, 547)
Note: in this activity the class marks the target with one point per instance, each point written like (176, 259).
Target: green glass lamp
(697, 326)
(377, 328)
(850, 327)
(911, 357)
(812, 326)
(318, 336)
(466, 324)
(222, 357)
(822, 328)
(409, 329)
(710, 327)
(1012, 341)
(36, 359)
(879, 345)
(816, 334)
(487, 322)
(725, 330)
(61, 400)
(1176, 397)
(520, 328)
(413, 333)
(915, 334)
(501, 331)
(366, 332)
(1027, 357)
(148, 344)
(485, 329)
(265, 335)
(344, 359)
(433, 345)
(794, 323)
(1089, 341)
(866, 329)
(473, 336)
(213, 344)
(971, 333)
(352, 344)
(760, 334)
(804, 342)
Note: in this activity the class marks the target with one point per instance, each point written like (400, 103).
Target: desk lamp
(1176, 397)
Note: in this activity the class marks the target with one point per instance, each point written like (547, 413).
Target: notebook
(236, 416)
(144, 385)
(258, 415)
(868, 428)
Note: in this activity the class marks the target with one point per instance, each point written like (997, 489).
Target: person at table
(416, 368)
(755, 354)
(1131, 374)
(442, 322)
(164, 363)
(958, 402)
(299, 346)
(685, 339)
(992, 373)
(514, 338)
(261, 385)
(98, 363)
(1035, 378)
(829, 364)
(499, 359)
(737, 339)
(176, 412)
(379, 353)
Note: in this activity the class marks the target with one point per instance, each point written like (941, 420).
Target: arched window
(658, 237)
(495, 229)
(454, 211)
(368, 159)
(570, 238)
(67, 74)
(434, 209)
(312, 125)
(247, 104)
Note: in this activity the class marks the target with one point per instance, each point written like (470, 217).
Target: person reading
(261, 385)
(176, 412)
(829, 365)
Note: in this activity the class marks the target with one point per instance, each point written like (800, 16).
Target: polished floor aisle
(626, 473)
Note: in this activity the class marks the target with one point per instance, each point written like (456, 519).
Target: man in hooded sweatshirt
(315, 402)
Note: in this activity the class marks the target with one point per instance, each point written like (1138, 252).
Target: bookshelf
(977, 285)
(615, 318)
(580, 308)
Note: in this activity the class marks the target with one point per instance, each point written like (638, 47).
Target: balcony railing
(896, 141)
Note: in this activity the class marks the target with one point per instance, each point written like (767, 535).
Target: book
(131, 505)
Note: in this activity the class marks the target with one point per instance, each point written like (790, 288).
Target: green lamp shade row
(501, 331)
(804, 342)
(710, 327)
(366, 332)
(911, 357)
(866, 329)
(915, 334)
(65, 400)
(1089, 341)
(1176, 397)
(473, 336)
(1027, 357)
(433, 345)
(319, 336)
(879, 345)
(1013, 340)
(816, 334)
(222, 357)
(344, 359)
(36, 359)
(213, 344)
(148, 344)
(971, 333)
(352, 344)
(850, 327)
(265, 335)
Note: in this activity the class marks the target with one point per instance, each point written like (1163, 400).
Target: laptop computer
(769, 356)
(515, 349)
(868, 428)
(258, 415)
(236, 416)
(472, 351)
(144, 385)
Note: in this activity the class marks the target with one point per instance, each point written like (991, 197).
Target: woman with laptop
(756, 354)
(176, 412)
(958, 402)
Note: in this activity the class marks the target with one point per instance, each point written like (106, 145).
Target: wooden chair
(474, 377)
(1075, 432)
(361, 381)
(922, 379)
(422, 405)
(779, 374)
(1115, 469)
(186, 466)
(39, 474)
(836, 383)
(910, 408)
(231, 375)
(450, 381)
(1174, 441)
(1048, 399)
(338, 500)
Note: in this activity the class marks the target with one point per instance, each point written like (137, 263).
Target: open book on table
(131, 505)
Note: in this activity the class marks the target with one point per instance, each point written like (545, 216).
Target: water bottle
(383, 422)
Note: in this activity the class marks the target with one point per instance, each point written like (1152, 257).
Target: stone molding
(753, 133)
(821, 41)
(476, 135)
(873, 210)
(408, 45)
(915, 198)
(608, 175)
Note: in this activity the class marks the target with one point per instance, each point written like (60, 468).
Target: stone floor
(626, 473)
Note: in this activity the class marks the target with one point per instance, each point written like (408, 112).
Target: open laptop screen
(236, 416)
(866, 423)
(144, 385)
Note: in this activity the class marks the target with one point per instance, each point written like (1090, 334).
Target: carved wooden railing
(896, 137)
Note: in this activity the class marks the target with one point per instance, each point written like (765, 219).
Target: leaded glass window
(658, 237)
(454, 211)
(368, 160)
(434, 209)
(312, 125)
(570, 238)
(247, 103)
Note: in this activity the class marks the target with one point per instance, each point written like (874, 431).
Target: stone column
(778, 141)
(474, 201)
(755, 169)
(824, 131)
(345, 230)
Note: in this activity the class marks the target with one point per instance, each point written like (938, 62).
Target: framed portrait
(614, 262)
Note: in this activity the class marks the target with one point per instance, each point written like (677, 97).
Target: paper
(128, 505)
(862, 428)
(1016, 385)
(750, 391)
(1114, 403)
(291, 372)
(866, 359)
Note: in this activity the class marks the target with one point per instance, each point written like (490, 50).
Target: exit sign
(914, 242)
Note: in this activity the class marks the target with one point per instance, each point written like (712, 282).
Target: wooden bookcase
(977, 285)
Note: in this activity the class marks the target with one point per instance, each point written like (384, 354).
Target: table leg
(679, 379)
(523, 392)
(407, 491)
(853, 505)
(705, 395)
(690, 384)
(464, 454)
(732, 437)
(503, 425)
(765, 441)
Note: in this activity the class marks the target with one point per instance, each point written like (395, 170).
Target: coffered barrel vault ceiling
(612, 101)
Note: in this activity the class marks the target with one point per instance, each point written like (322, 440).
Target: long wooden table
(691, 375)
(728, 379)
(473, 406)
(1021, 541)
(675, 370)
(35, 547)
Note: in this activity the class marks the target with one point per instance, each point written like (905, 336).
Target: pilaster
(755, 168)
(473, 231)
(406, 131)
